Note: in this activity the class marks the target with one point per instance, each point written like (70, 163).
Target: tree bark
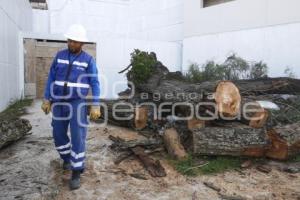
(126, 114)
(122, 144)
(281, 85)
(285, 141)
(233, 139)
(253, 115)
(13, 130)
(154, 168)
(224, 93)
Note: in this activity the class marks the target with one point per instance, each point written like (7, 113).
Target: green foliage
(296, 159)
(289, 72)
(214, 165)
(142, 66)
(259, 70)
(194, 74)
(234, 68)
(221, 164)
(16, 109)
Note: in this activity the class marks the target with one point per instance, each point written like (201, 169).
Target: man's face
(74, 46)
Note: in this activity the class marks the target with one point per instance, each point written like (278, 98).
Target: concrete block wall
(15, 16)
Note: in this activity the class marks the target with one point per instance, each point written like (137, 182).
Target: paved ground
(30, 169)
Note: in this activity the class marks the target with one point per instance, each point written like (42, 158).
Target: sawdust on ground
(30, 169)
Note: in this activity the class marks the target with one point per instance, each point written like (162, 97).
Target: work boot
(66, 165)
(75, 180)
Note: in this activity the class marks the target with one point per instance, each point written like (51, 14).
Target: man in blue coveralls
(72, 73)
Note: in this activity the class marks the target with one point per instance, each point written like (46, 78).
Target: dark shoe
(67, 166)
(75, 180)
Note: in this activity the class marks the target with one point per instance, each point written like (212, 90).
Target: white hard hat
(77, 32)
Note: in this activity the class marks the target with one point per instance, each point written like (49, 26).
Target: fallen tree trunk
(289, 105)
(173, 144)
(281, 85)
(285, 141)
(154, 168)
(253, 114)
(11, 131)
(163, 86)
(224, 94)
(122, 144)
(233, 139)
(126, 114)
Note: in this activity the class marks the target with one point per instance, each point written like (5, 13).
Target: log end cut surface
(228, 98)
(173, 145)
(141, 117)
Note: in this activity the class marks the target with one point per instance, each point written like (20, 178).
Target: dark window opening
(207, 3)
(39, 4)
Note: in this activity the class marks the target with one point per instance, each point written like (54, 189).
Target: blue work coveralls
(67, 91)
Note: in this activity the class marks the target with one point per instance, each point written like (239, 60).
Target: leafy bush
(234, 68)
(142, 66)
(259, 70)
(289, 72)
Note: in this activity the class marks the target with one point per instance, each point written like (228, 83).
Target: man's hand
(95, 112)
(46, 106)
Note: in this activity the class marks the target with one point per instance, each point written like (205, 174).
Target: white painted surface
(278, 46)
(40, 21)
(256, 30)
(155, 20)
(118, 27)
(15, 16)
(238, 15)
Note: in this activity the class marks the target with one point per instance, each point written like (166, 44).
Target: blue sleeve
(94, 81)
(51, 79)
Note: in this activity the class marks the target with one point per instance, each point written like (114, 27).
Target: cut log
(165, 86)
(289, 108)
(122, 144)
(126, 114)
(13, 130)
(154, 168)
(253, 115)
(281, 85)
(227, 98)
(173, 144)
(285, 141)
(233, 139)
(224, 93)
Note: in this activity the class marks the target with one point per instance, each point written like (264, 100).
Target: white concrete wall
(278, 46)
(15, 16)
(40, 21)
(159, 20)
(256, 30)
(156, 20)
(118, 27)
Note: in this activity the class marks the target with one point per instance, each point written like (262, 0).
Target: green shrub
(142, 66)
(234, 68)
